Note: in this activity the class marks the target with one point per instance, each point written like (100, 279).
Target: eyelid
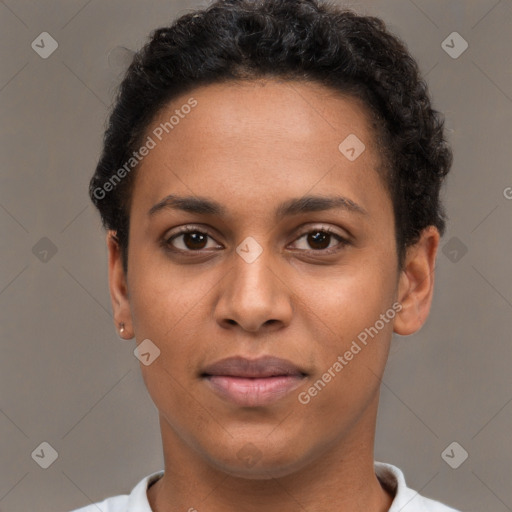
(321, 227)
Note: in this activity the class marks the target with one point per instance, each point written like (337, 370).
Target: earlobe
(118, 288)
(416, 283)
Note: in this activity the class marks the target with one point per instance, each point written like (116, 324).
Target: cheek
(354, 320)
(161, 314)
(161, 295)
(164, 303)
(353, 297)
(350, 356)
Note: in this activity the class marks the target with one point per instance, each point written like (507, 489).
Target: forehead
(302, 111)
(264, 137)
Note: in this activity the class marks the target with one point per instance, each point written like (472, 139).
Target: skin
(251, 146)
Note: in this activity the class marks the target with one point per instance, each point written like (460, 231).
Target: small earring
(121, 329)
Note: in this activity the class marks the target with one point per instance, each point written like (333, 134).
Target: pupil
(318, 239)
(196, 239)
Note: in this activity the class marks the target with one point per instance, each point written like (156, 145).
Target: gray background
(67, 379)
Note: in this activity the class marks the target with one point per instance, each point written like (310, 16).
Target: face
(262, 272)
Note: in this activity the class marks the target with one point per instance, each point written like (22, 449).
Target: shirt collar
(138, 499)
(390, 477)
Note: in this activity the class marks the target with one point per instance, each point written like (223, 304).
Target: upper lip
(266, 366)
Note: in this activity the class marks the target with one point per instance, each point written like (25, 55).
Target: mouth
(253, 382)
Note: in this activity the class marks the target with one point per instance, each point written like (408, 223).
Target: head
(248, 108)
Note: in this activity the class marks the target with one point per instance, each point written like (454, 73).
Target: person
(269, 185)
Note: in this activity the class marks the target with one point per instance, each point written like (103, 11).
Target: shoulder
(406, 499)
(136, 501)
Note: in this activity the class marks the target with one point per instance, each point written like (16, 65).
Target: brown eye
(194, 240)
(320, 240)
(189, 240)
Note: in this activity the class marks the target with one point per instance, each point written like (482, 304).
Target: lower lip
(253, 392)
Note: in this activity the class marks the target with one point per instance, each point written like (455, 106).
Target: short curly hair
(306, 40)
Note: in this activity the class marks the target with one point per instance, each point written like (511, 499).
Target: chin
(251, 463)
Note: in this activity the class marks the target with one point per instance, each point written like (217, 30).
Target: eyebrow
(310, 203)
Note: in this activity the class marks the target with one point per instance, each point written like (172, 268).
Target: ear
(416, 283)
(118, 288)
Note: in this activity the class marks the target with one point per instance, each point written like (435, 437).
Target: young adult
(270, 183)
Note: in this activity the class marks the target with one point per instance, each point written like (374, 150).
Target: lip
(253, 382)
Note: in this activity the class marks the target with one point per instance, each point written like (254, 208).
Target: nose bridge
(253, 276)
(253, 293)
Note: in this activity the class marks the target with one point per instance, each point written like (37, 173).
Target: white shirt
(405, 500)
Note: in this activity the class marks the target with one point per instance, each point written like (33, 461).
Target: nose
(254, 296)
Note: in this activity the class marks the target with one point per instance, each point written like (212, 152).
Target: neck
(342, 479)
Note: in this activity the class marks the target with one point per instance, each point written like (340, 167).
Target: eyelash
(167, 241)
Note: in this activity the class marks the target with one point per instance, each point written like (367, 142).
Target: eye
(192, 240)
(320, 240)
